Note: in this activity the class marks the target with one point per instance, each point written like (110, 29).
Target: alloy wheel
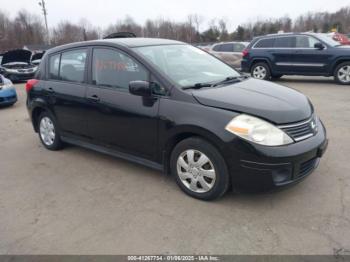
(259, 72)
(344, 74)
(196, 171)
(47, 131)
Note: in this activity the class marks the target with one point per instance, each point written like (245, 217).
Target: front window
(186, 65)
(115, 69)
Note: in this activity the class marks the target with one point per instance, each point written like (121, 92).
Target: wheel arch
(38, 107)
(338, 62)
(260, 60)
(184, 132)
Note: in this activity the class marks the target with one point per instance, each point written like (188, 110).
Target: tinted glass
(304, 41)
(217, 48)
(285, 42)
(265, 43)
(112, 68)
(54, 63)
(185, 64)
(227, 48)
(72, 66)
(238, 47)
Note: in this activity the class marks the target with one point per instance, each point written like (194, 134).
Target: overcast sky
(105, 12)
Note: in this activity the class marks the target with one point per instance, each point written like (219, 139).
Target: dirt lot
(77, 201)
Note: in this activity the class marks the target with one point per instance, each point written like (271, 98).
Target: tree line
(26, 28)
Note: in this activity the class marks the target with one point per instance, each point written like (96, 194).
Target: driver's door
(309, 60)
(117, 118)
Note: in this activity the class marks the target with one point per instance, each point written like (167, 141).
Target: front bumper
(262, 168)
(19, 76)
(8, 96)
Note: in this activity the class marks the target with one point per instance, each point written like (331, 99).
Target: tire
(207, 180)
(342, 73)
(261, 71)
(49, 132)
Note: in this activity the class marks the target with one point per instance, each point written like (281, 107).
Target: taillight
(245, 52)
(30, 84)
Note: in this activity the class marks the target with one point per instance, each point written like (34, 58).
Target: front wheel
(199, 169)
(261, 71)
(342, 73)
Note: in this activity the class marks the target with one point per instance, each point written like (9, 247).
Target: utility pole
(42, 4)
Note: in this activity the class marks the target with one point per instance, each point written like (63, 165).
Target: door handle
(94, 98)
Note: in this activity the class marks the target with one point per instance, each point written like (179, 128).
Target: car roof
(126, 42)
(285, 34)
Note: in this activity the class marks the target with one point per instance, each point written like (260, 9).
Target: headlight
(6, 86)
(258, 131)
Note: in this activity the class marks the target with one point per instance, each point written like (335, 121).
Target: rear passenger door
(282, 54)
(117, 118)
(66, 87)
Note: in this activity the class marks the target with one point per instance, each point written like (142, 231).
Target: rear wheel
(342, 73)
(48, 132)
(199, 169)
(260, 71)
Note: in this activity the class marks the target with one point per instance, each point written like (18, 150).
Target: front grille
(302, 130)
(306, 167)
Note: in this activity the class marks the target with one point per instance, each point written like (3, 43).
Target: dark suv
(309, 54)
(174, 107)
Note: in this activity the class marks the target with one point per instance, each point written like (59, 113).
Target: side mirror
(140, 88)
(319, 46)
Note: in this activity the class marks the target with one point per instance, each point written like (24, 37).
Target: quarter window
(238, 47)
(72, 65)
(112, 68)
(54, 63)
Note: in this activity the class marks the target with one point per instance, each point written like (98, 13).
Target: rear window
(265, 43)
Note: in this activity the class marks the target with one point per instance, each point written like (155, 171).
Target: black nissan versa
(174, 107)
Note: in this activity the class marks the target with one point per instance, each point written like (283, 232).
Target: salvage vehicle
(229, 52)
(310, 54)
(174, 107)
(16, 65)
(36, 58)
(8, 95)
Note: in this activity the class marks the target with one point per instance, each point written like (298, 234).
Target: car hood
(19, 55)
(273, 102)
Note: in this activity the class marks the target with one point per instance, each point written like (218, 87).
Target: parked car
(16, 65)
(8, 95)
(229, 52)
(341, 38)
(36, 58)
(297, 54)
(174, 107)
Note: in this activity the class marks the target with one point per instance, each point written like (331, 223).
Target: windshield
(186, 65)
(328, 40)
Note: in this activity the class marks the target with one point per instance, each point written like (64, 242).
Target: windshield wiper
(227, 80)
(230, 79)
(197, 86)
